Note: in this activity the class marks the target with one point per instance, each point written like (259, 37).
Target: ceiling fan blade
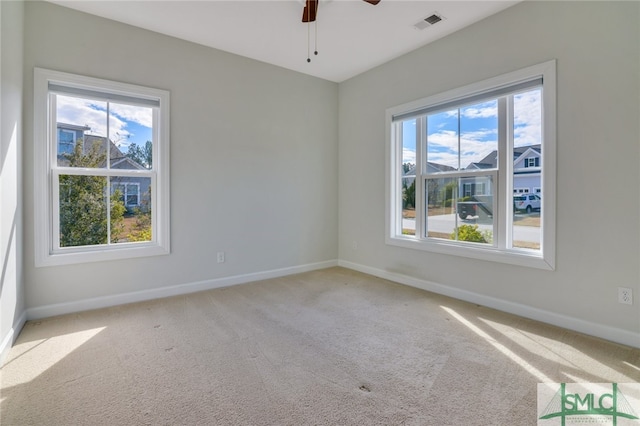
(373, 2)
(310, 11)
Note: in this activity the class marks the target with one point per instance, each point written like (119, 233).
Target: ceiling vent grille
(428, 21)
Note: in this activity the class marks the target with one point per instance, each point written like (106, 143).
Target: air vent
(428, 21)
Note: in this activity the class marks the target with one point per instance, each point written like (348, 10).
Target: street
(446, 223)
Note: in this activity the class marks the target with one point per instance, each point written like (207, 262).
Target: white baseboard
(594, 329)
(11, 337)
(613, 334)
(157, 293)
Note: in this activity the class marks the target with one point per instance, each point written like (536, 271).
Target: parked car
(526, 203)
(476, 207)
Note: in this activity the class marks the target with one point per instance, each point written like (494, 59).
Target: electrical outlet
(625, 295)
(220, 257)
(354, 245)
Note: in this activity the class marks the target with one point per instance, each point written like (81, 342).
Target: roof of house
(431, 168)
(117, 157)
(73, 127)
(491, 160)
(488, 162)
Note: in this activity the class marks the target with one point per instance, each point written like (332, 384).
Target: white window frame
(543, 258)
(128, 192)
(47, 250)
(481, 185)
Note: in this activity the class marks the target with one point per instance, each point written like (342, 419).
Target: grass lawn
(130, 226)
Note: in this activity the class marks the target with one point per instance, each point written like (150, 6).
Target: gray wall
(11, 288)
(253, 157)
(596, 45)
(261, 171)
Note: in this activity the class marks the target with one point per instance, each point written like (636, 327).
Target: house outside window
(457, 145)
(474, 188)
(128, 193)
(66, 141)
(96, 197)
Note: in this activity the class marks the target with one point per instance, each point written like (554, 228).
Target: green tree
(83, 202)
(409, 195)
(141, 231)
(450, 190)
(141, 155)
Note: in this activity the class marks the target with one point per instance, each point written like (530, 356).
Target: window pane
(441, 196)
(479, 136)
(81, 130)
(442, 141)
(409, 177)
(527, 172)
(66, 141)
(83, 210)
(475, 210)
(130, 130)
(130, 209)
(455, 216)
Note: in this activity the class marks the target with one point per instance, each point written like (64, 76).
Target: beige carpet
(331, 347)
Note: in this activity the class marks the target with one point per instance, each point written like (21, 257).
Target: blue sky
(478, 131)
(127, 123)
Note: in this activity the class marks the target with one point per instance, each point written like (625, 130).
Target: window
(101, 171)
(128, 193)
(66, 141)
(458, 162)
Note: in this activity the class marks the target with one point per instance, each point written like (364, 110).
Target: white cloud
(483, 112)
(474, 146)
(137, 114)
(408, 156)
(527, 108)
(93, 114)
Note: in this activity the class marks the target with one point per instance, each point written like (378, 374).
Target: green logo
(587, 405)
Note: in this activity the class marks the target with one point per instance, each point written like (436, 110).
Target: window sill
(100, 254)
(522, 257)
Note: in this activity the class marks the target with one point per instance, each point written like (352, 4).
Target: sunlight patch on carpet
(500, 347)
(38, 356)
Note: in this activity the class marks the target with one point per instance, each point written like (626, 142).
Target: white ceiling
(352, 36)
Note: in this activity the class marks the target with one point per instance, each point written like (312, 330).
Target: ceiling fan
(311, 9)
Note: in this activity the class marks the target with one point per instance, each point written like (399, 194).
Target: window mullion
(107, 197)
(55, 211)
(502, 226)
(509, 170)
(421, 168)
(107, 188)
(395, 189)
(52, 130)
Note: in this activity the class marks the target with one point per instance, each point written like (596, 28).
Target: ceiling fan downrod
(309, 15)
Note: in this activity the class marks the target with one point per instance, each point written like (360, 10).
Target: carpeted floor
(330, 347)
